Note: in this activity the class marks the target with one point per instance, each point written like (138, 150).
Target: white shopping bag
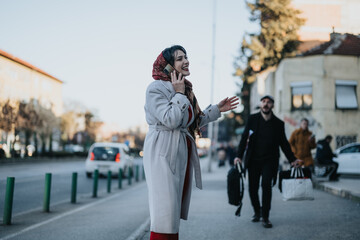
(297, 187)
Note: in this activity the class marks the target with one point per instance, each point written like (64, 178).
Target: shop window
(301, 95)
(346, 94)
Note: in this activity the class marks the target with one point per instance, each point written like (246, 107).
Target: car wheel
(88, 174)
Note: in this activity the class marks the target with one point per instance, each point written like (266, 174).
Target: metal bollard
(109, 182)
(10, 184)
(47, 191)
(95, 186)
(137, 173)
(120, 178)
(74, 187)
(129, 175)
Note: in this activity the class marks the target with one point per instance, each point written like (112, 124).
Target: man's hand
(237, 160)
(297, 163)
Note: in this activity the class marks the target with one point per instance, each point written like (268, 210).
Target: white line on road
(139, 233)
(67, 214)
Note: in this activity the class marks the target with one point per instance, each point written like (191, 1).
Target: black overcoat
(250, 134)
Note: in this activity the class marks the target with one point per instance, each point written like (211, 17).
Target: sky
(103, 51)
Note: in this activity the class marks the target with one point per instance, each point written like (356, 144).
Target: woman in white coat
(170, 155)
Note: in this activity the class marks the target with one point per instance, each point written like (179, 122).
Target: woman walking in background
(170, 154)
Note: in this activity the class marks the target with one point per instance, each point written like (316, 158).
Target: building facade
(321, 85)
(22, 82)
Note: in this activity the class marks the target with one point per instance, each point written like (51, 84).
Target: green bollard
(74, 187)
(120, 178)
(10, 184)
(95, 186)
(143, 173)
(137, 173)
(47, 190)
(129, 175)
(109, 182)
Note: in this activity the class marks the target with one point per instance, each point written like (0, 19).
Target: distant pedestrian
(324, 155)
(2, 152)
(221, 155)
(170, 154)
(231, 153)
(263, 135)
(302, 141)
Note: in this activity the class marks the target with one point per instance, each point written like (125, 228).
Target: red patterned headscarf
(159, 74)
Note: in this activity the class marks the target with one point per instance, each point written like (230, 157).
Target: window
(301, 95)
(352, 149)
(346, 94)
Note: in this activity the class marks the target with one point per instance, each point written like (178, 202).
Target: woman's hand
(178, 82)
(228, 104)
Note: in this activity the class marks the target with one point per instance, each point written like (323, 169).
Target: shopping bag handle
(297, 172)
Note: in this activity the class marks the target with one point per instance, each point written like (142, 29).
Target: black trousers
(334, 174)
(266, 173)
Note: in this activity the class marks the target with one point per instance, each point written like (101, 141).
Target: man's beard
(266, 112)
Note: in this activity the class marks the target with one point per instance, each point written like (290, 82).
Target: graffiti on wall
(342, 140)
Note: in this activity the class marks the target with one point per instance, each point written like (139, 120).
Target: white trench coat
(165, 155)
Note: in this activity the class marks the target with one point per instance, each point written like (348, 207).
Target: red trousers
(163, 236)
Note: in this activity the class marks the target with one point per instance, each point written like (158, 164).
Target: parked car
(108, 157)
(348, 157)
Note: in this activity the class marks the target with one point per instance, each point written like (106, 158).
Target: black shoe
(267, 224)
(256, 218)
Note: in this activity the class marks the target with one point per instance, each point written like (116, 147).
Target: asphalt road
(120, 214)
(115, 215)
(30, 183)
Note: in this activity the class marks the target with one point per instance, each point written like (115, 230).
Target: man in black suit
(263, 135)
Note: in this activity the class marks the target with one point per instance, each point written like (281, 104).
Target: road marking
(69, 213)
(140, 232)
(79, 197)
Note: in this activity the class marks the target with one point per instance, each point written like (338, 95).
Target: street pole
(211, 125)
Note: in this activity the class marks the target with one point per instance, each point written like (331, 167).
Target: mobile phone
(168, 69)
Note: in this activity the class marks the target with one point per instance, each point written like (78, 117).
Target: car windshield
(352, 149)
(105, 153)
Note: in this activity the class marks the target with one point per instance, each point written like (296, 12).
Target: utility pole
(211, 125)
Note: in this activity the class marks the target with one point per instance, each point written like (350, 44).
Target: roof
(305, 46)
(26, 64)
(340, 44)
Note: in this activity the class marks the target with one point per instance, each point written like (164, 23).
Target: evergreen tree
(277, 39)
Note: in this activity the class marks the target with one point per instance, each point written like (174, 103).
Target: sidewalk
(346, 187)
(212, 218)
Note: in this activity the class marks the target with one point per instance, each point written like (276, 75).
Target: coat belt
(175, 146)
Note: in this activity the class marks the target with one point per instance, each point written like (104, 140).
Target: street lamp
(212, 125)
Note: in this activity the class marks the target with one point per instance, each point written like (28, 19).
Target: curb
(141, 231)
(336, 191)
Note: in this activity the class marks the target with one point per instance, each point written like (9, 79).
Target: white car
(348, 157)
(108, 157)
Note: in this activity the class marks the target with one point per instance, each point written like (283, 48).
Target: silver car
(108, 157)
